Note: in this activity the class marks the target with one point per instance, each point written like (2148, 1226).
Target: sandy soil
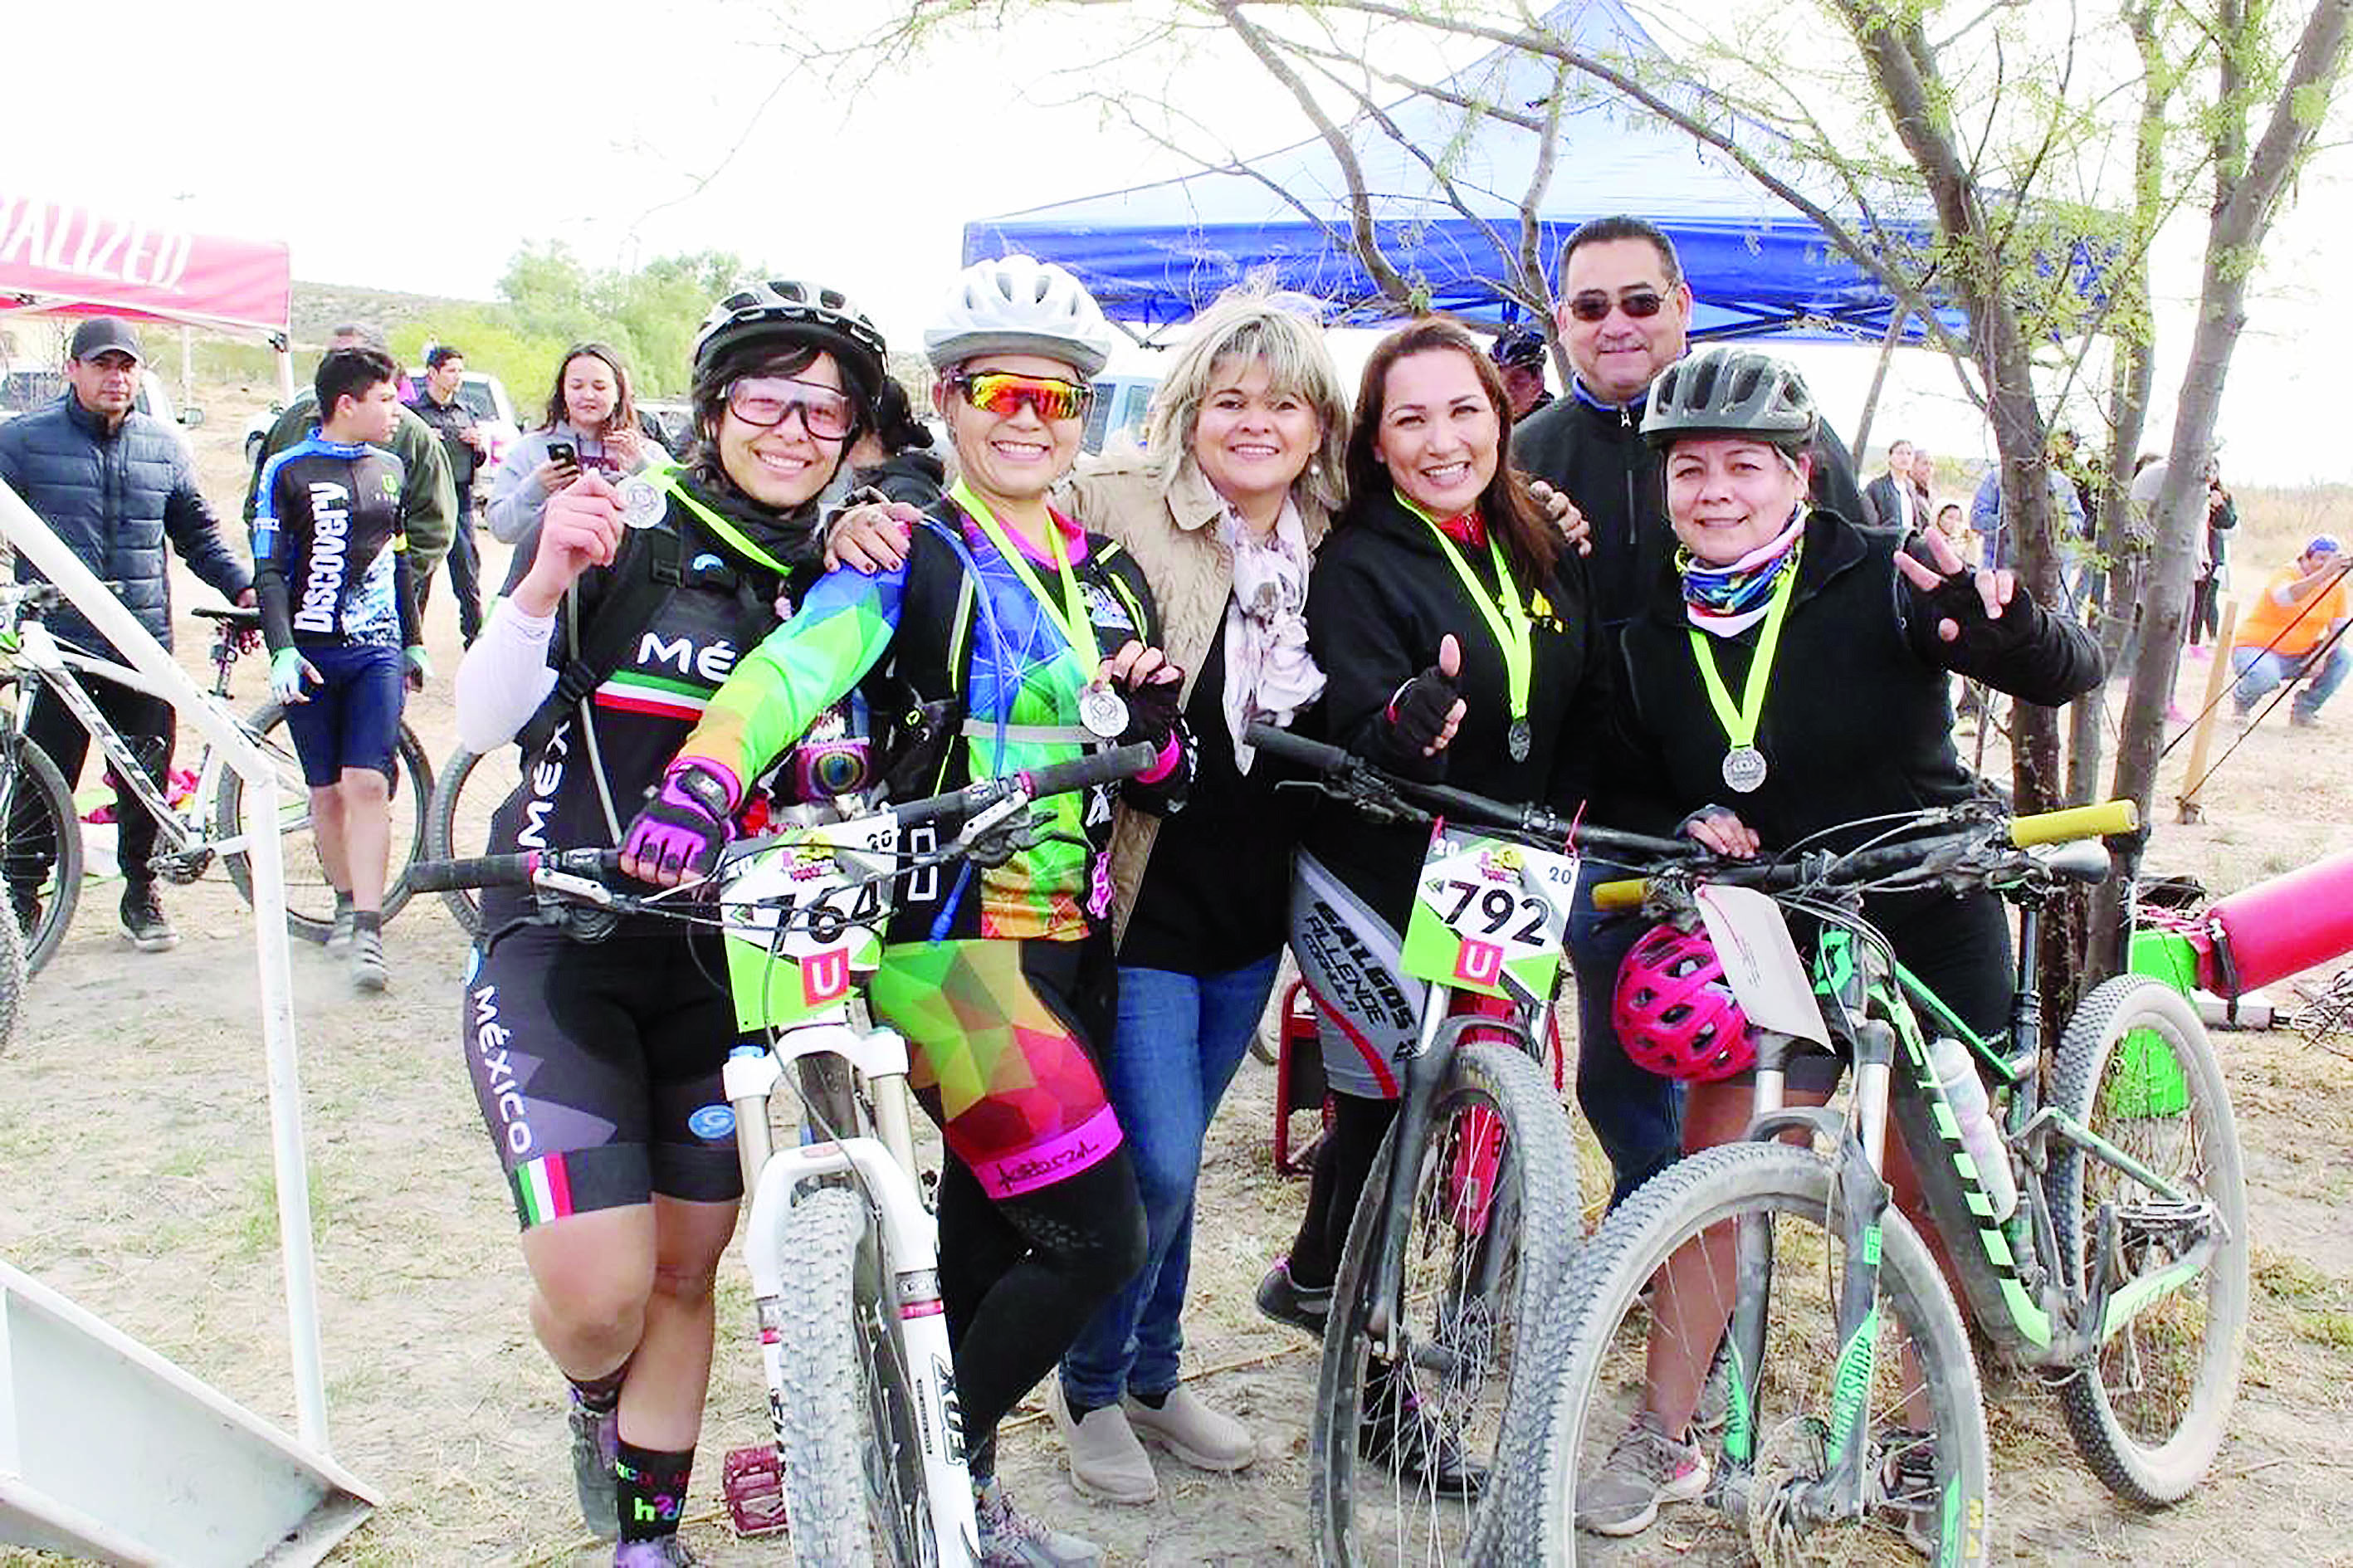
(133, 1147)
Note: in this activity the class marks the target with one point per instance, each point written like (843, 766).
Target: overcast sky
(648, 130)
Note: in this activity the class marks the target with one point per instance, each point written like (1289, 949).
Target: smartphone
(563, 454)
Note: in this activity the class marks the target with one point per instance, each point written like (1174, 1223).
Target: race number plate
(1489, 915)
(801, 922)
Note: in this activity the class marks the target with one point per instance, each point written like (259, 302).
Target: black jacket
(1380, 598)
(1596, 456)
(1885, 505)
(114, 498)
(1857, 720)
(447, 421)
(915, 476)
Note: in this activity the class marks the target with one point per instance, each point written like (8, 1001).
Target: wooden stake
(2217, 674)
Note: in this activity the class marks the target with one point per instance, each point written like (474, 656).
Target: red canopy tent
(77, 260)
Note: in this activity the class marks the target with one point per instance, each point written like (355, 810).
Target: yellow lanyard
(1078, 628)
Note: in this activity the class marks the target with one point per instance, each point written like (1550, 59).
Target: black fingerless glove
(1152, 713)
(1982, 640)
(1418, 713)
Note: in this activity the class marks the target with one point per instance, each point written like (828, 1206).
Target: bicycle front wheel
(41, 857)
(2134, 1066)
(309, 892)
(1408, 1457)
(469, 786)
(1755, 1222)
(846, 1414)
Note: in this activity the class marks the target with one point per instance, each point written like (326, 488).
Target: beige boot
(1190, 1427)
(1106, 1461)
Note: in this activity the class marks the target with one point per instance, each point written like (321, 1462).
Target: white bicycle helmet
(1018, 304)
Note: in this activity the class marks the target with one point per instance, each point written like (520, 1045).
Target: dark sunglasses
(1002, 393)
(769, 400)
(1593, 305)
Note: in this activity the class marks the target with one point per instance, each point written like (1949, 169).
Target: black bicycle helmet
(1730, 392)
(795, 312)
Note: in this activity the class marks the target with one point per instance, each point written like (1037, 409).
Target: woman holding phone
(591, 425)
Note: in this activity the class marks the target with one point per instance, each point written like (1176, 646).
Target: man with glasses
(1624, 314)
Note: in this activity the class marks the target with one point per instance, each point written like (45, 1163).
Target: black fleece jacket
(1857, 719)
(1381, 597)
(1596, 456)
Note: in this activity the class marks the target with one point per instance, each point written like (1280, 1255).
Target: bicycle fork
(882, 1169)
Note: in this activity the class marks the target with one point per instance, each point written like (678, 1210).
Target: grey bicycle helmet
(795, 312)
(1017, 305)
(1730, 392)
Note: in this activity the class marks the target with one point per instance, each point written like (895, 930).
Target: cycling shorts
(351, 718)
(597, 1067)
(1001, 1039)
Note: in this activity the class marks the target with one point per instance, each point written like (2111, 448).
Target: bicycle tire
(456, 828)
(25, 767)
(310, 897)
(847, 1482)
(12, 978)
(1468, 1363)
(2105, 1075)
(1603, 1365)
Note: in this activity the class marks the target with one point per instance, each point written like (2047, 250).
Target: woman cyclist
(1011, 638)
(595, 1048)
(1454, 630)
(591, 427)
(1773, 602)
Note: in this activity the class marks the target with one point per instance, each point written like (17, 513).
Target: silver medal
(1743, 769)
(1103, 712)
(1518, 739)
(642, 502)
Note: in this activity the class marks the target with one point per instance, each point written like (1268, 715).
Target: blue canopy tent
(1156, 253)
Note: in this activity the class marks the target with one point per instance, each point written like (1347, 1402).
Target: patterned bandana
(1724, 602)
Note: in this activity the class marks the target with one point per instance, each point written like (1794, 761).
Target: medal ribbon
(1513, 632)
(1078, 629)
(664, 477)
(1740, 724)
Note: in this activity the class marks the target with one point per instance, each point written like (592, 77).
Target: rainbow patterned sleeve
(801, 669)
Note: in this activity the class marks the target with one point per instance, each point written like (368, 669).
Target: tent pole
(286, 369)
(1878, 379)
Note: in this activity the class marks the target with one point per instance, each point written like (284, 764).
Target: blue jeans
(1180, 1038)
(2259, 671)
(1636, 1116)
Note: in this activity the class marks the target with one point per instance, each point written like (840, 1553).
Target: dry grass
(134, 1142)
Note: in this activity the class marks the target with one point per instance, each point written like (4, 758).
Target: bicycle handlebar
(1462, 805)
(1057, 778)
(2105, 820)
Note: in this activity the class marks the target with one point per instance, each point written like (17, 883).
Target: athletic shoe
(596, 1444)
(1011, 1539)
(1106, 1461)
(1285, 1301)
(369, 971)
(1190, 1427)
(339, 934)
(661, 1551)
(143, 922)
(2302, 718)
(1645, 1468)
(1397, 1430)
(1908, 1484)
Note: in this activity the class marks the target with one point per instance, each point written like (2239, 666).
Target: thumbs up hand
(1425, 712)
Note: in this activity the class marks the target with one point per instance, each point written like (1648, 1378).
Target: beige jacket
(1175, 538)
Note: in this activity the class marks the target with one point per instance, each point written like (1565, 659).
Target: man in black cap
(1519, 355)
(113, 485)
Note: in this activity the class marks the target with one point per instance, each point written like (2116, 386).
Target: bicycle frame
(883, 1168)
(55, 665)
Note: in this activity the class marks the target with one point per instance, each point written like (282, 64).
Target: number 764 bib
(1489, 915)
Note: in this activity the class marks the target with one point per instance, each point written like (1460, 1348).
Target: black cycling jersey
(330, 554)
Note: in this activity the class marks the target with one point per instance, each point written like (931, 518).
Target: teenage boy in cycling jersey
(339, 612)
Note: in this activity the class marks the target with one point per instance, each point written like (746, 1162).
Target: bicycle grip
(1313, 755)
(1619, 896)
(2074, 822)
(1086, 772)
(507, 869)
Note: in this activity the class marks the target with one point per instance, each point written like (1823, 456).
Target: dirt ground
(133, 1148)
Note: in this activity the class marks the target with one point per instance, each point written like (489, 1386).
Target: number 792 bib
(1489, 915)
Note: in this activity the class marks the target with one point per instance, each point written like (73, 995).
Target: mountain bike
(1472, 1209)
(469, 787)
(42, 851)
(1855, 1408)
(840, 1240)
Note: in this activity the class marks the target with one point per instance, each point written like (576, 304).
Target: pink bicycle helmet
(1676, 1014)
